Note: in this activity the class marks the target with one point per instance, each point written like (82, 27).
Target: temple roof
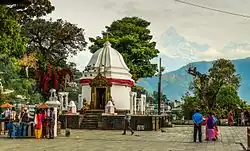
(107, 57)
(109, 62)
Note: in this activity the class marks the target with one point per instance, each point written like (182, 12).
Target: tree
(209, 89)
(28, 61)
(155, 96)
(12, 44)
(131, 37)
(227, 98)
(52, 41)
(207, 86)
(36, 8)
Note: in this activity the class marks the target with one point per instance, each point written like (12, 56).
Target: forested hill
(175, 83)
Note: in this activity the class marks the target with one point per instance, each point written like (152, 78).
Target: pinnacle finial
(107, 44)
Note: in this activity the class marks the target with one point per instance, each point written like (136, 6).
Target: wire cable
(213, 9)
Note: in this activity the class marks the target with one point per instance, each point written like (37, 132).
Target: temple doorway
(100, 98)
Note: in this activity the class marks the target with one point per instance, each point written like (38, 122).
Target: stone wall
(108, 122)
(145, 123)
(73, 121)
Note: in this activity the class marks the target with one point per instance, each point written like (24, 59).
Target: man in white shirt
(7, 116)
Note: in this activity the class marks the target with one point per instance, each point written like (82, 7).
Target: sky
(194, 24)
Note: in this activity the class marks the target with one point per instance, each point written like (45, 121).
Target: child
(216, 130)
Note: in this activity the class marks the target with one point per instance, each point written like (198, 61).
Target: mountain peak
(172, 30)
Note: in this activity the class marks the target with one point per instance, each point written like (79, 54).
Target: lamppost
(159, 89)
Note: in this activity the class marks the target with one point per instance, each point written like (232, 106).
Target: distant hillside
(176, 83)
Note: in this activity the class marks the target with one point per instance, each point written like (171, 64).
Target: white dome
(107, 57)
(109, 62)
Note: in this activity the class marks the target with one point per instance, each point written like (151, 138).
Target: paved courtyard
(174, 139)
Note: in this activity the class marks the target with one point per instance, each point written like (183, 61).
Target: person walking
(197, 119)
(127, 119)
(242, 117)
(230, 118)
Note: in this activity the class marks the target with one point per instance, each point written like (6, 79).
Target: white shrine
(72, 107)
(106, 76)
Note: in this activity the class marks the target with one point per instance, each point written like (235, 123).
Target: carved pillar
(141, 105)
(143, 102)
(55, 126)
(134, 102)
(80, 102)
(61, 101)
(66, 100)
(131, 103)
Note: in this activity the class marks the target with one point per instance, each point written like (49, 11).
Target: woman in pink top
(38, 122)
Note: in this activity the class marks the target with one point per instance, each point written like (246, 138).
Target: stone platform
(174, 139)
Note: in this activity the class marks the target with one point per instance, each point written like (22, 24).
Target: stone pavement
(174, 139)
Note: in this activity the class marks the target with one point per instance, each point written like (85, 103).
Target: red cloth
(111, 80)
(230, 118)
(39, 118)
(216, 131)
(204, 120)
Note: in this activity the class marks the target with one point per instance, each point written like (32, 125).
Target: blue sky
(195, 25)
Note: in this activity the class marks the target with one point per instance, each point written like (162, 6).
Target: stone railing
(182, 122)
(222, 122)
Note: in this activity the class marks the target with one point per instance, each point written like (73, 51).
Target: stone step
(89, 121)
(90, 128)
(97, 111)
(90, 116)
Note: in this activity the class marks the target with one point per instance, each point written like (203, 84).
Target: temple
(105, 78)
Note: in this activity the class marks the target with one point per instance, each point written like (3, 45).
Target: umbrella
(6, 105)
(43, 106)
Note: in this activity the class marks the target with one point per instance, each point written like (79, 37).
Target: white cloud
(213, 54)
(81, 60)
(216, 29)
(209, 55)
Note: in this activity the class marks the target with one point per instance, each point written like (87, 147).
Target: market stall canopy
(43, 106)
(6, 105)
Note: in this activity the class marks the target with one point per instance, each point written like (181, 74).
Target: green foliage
(53, 41)
(131, 37)
(37, 8)
(12, 44)
(155, 96)
(216, 91)
(190, 104)
(227, 98)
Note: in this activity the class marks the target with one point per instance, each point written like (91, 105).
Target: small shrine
(72, 107)
(106, 76)
(110, 108)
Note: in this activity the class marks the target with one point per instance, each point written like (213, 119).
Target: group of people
(42, 124)
(209, 121)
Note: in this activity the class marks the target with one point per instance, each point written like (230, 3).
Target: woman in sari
(38, 124)
(230, 118)
(210, 134)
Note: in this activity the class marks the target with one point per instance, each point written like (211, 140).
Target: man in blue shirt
(197, 119)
